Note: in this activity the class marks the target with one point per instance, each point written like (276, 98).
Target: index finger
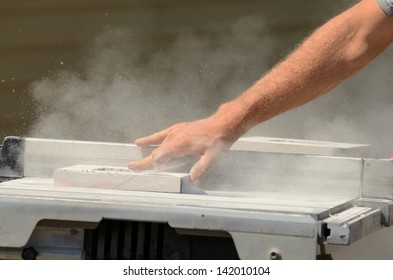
(152, 139)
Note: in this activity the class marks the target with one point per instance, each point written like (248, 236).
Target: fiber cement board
(87, 176)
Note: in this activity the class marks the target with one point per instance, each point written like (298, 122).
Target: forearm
(331, 54)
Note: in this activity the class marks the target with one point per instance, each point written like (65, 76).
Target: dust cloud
(126, 90)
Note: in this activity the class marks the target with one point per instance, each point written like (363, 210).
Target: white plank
(88, 176)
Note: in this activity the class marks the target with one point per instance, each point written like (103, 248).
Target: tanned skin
(332, 53)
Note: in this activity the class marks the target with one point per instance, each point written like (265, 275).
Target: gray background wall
(188, 56)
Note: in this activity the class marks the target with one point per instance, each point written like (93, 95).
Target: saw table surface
(43, 189)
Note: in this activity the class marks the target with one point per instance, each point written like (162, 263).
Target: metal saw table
(268, 199)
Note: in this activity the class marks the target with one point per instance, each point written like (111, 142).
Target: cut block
(88, 176)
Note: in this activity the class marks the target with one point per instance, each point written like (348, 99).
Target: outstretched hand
(200, 139)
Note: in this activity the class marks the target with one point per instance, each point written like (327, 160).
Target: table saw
(267, 199)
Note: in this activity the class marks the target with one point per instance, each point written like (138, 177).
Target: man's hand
(200, 139)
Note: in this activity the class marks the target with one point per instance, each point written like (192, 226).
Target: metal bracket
(386, 206)
(350, 225)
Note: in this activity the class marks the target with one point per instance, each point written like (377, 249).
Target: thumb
(200, 169)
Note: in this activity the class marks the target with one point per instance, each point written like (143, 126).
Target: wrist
(230, 121)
